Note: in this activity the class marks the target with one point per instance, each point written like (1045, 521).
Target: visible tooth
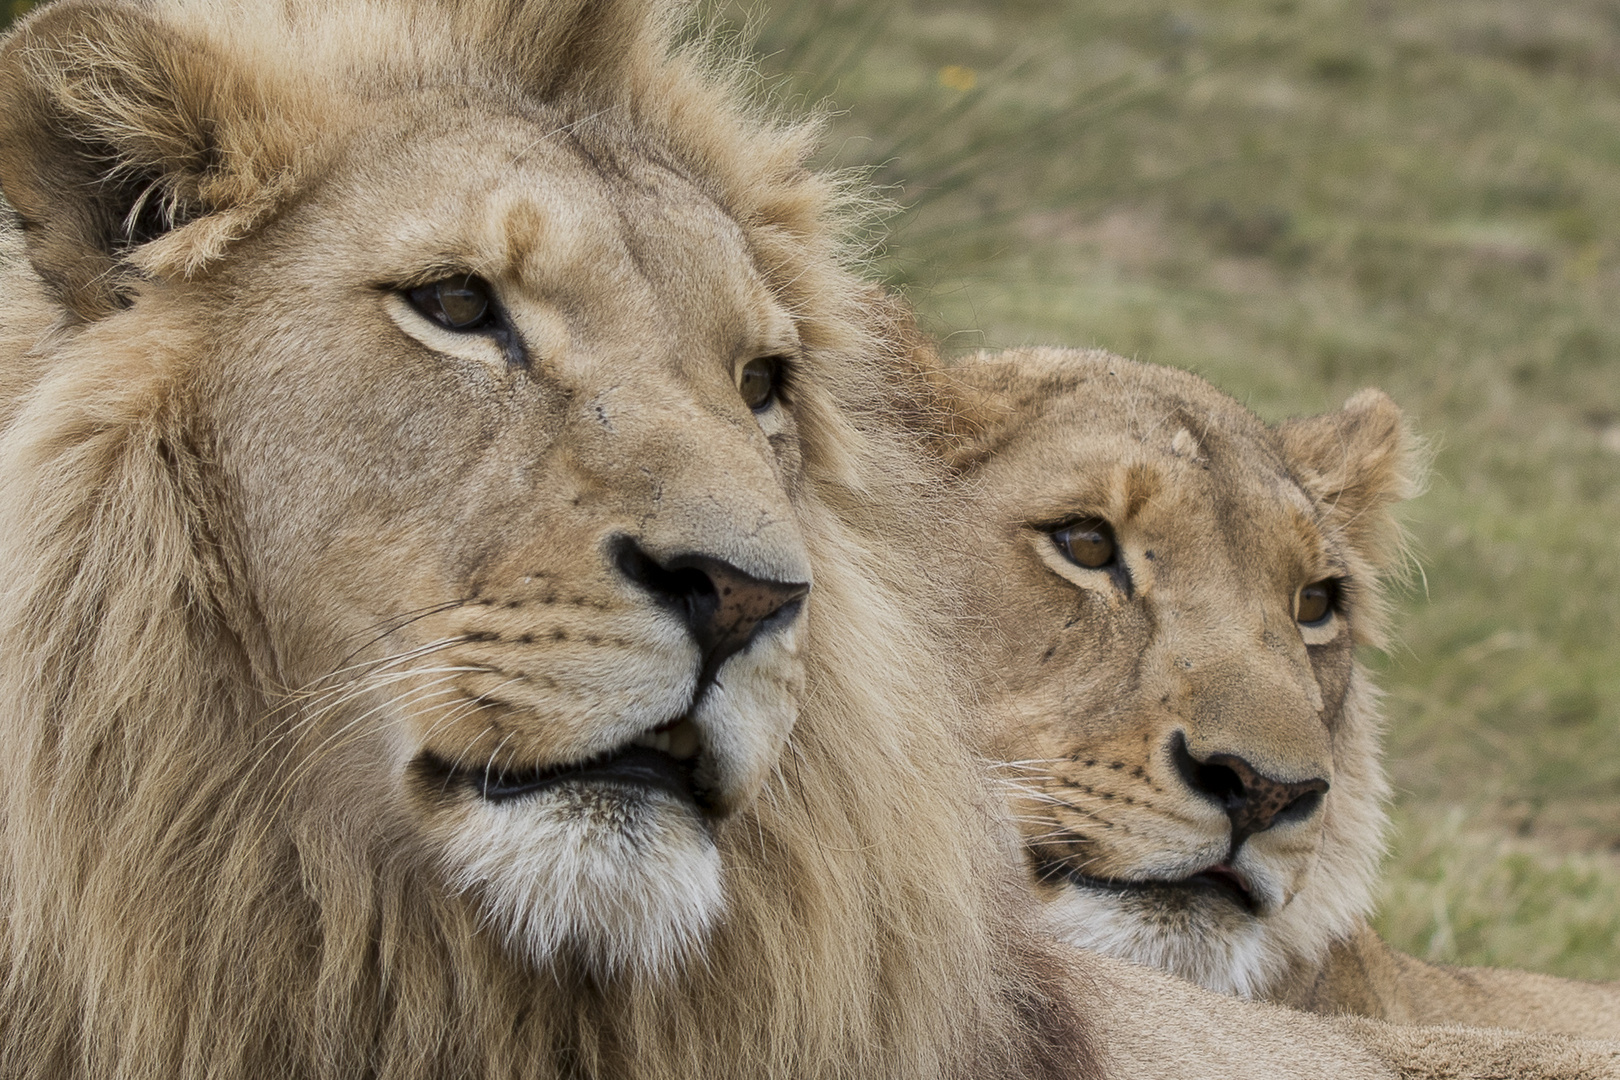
(681, 741)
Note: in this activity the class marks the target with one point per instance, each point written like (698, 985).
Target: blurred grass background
(1297, 198)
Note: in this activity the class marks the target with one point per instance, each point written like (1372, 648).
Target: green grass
(1458, 893)
(1298, 198)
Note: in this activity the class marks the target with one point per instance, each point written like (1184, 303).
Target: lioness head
(478, 384)
(1173, 593)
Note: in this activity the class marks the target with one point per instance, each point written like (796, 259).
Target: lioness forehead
(1158, 449)
(1130, 441)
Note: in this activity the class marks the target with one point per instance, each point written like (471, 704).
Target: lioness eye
(463, 304)
(758, 382)
(1315, 601)
(1089, 543)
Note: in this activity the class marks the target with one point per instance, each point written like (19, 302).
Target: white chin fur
(1225, 951)
(628, 882)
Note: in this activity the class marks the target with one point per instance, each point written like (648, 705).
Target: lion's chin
(1198, 934)
(625, 880)
(610, 861)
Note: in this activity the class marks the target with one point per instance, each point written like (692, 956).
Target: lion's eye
(1089, 543)
(759, 382)
(1316, 601)
(463, 304)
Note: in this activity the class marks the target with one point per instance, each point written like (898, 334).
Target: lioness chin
(1172, 593)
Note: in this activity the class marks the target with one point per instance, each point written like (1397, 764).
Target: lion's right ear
(128, 150)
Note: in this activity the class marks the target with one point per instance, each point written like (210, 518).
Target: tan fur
(1220, 520)
(268, 536)
(1363, 976)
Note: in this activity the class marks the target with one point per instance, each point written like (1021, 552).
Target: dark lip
(1219, 879)
(639, 768)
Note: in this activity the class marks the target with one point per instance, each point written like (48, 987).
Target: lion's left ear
(128, 149)
(1357, 463)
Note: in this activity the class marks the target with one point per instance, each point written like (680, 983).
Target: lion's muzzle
(723, 607)
(605, 847)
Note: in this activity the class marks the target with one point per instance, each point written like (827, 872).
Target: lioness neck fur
(1149, 702)
(451, 614)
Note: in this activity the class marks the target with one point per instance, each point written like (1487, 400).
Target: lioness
(451, 614)
(1173, 595)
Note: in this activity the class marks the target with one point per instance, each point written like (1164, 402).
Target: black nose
(723, 606)
(1253, 801)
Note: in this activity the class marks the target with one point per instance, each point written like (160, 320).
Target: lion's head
(1172, 596)
(444, 621)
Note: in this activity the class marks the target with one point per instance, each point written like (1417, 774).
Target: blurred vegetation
(10, 9)
(1453, 891)
(1298, 198)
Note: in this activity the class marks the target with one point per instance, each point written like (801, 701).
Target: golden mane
(176, 903)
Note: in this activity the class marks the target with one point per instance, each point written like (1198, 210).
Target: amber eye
(1315, 602)
(759, 381)
(1088, 542)
(463, 303)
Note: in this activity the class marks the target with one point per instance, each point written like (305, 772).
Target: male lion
(1173, 595)
(433, 493)
(450, 620)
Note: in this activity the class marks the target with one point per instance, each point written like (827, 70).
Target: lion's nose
(723, 606)
(1253, 801)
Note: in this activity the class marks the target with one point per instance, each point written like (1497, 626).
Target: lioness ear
(127, 149)
(1357, 462)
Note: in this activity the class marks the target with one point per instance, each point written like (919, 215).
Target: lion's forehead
(608, 230)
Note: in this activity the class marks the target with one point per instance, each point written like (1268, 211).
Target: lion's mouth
(1219, 879)
(665, 759)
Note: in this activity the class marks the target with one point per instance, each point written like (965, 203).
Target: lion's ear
(127, 149)
(1357, 462)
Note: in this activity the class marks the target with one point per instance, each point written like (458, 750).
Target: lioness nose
(1253, 801)
(723, 606)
